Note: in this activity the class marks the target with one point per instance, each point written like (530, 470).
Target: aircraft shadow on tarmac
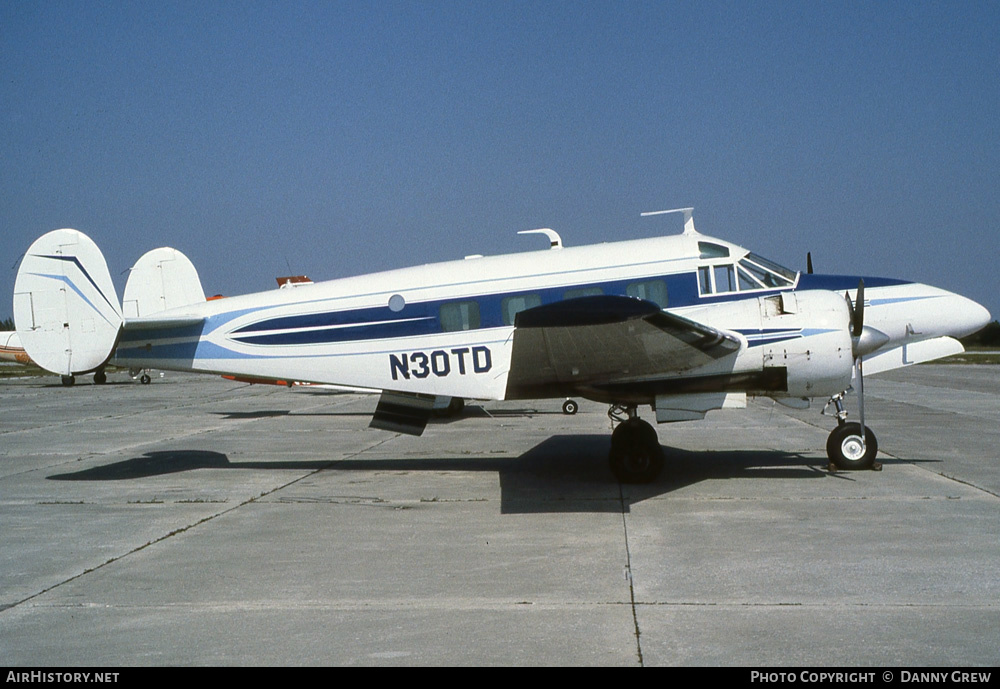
(471, 411)
(564, 473)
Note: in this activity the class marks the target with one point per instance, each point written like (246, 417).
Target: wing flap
(402, 412)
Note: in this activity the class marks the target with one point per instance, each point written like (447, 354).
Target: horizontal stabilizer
(402, 412)
(162, 323)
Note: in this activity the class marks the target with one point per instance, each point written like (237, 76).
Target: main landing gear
(847, 447)
(100, 378)
(636, 456)
(144, 378)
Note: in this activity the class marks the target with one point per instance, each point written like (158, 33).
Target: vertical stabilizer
(161, 279)
(65, 306)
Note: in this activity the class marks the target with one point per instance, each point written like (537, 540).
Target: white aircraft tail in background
(684, 324)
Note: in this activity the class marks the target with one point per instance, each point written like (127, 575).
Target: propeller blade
(809, 262)
(858, 313)
(857, 328)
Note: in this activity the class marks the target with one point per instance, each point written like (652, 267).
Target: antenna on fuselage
(688, 218)
(555, 241)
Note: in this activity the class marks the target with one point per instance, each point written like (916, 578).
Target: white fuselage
(446, 329)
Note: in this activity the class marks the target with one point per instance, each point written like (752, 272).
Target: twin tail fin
(66, 309)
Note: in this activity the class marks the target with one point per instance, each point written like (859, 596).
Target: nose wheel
(848, 447)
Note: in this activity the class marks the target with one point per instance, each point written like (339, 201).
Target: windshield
(752, 272)
(767, 273)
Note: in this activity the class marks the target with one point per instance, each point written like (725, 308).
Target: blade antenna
(688, 217)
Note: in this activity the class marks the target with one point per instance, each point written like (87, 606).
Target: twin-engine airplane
(685, 324)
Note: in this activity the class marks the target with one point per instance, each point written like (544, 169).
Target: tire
(145, 379)
(570, 407)
(636, 455)
(100, 378)
(68, 381)
(844, 447)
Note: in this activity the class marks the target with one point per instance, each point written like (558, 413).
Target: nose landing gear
(848, 447)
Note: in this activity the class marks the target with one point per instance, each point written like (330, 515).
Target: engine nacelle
(808, 333)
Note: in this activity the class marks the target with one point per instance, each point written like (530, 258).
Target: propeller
(857, 313)
(864, 340)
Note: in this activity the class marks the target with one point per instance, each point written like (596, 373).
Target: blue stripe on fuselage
(423, 318)
(836, 283)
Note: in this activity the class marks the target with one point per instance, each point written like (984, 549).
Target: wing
(601, 340)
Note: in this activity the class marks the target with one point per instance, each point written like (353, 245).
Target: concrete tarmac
(196, 521)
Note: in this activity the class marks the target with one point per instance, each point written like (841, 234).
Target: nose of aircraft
(958, 316)
(975, 315)
(918, 311)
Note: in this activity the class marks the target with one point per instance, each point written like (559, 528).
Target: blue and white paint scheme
(684, 324)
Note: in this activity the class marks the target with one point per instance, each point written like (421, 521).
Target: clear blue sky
(337, 138)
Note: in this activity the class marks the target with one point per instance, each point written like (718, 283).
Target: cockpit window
(718, 279)
(752, 272)
(746, 281)
(784, 275)
(725, 278)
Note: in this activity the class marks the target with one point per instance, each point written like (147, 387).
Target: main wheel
(846, 449)
(636, 456)
(145, 379)
(100, 378)
(570, 407)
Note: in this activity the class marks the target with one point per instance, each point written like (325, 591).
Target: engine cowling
(808, 333)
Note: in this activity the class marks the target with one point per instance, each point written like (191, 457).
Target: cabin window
(650, 290)
(709, 250)
(459, 315)
(511, 306)
(582, 292)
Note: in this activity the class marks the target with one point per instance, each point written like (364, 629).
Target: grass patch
(15, 370)
(971, 357)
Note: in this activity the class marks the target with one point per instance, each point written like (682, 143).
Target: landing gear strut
(636, 456)
(847, 447)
